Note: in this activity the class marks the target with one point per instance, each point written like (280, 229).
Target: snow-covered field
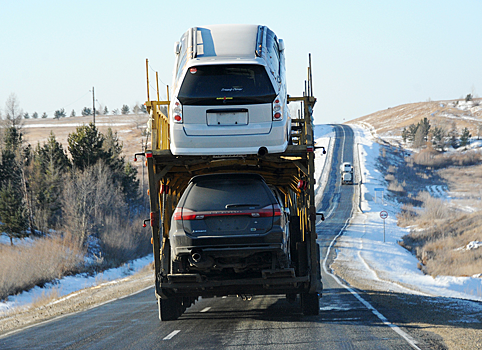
(363, 247)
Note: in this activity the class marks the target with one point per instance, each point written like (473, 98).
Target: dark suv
(228, 223)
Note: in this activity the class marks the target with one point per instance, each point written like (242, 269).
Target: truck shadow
(339, 306)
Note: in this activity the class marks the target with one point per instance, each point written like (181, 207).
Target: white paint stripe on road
(382, 318)
(172, 334)
(206, 309)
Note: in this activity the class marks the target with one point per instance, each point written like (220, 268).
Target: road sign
(381, 189)
(383, 215)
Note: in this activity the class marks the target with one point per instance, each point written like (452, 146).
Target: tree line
(42, 189)
(422, 132)
(87, 111)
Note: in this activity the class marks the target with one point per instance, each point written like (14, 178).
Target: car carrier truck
(291, 173)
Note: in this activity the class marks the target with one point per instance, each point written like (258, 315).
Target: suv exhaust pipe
(196, 257)
(198, 260)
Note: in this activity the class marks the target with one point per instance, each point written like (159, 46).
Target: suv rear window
(222, 194)
(226, 85)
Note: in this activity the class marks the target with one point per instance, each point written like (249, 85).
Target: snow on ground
(67, 286)
(365, 246)
(436, 191)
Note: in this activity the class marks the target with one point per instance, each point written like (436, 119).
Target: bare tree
(89, 197)
(138, 117)
(13, 112)
(78, 204)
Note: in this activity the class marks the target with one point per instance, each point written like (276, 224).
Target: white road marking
(172, 334)
(206, 309)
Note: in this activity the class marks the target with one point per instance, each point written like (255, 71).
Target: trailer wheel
(170, 309)
(310, 304)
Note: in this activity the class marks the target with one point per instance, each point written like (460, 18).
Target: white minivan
(229, 92)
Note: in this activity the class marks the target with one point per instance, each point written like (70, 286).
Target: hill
(391, 121)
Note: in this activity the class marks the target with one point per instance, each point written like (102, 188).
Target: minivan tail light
(177, 112)
(277, 109)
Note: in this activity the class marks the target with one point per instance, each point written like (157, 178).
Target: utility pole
(93, 103)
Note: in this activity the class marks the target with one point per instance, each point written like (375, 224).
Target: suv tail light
(177, 112)
(268, 211)
(277, 109)
(188, 214)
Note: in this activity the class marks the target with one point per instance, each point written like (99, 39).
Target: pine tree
(59, 113)
(424, 125)
(405, 133)
(86, 111)
(53, 152)
(13, 216)
(86, 146)
(465, 137)
(438, 138)
(45, 175)
(13, 219)
(124, 174)
(125, 109)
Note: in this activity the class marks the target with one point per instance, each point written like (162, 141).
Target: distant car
(346, 167)
(346, 178)
(346, 173)
(228, 223)
(229, 92)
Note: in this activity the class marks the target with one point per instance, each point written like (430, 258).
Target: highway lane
(230, 322)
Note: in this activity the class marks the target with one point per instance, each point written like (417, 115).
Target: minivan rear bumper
(275, 141)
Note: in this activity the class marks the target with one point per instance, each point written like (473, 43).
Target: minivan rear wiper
(236, 205)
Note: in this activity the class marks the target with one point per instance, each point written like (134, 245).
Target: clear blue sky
(367, 55)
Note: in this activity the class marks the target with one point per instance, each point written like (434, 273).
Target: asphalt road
(345, 320)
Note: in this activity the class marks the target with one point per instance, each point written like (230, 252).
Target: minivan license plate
(227, 118)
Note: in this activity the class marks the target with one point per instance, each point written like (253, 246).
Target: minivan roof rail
(194, 42)
(260, 41)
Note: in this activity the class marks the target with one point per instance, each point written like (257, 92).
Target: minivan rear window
(219, 194)
(226, 85)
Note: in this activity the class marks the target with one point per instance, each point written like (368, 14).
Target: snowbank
(71, 284)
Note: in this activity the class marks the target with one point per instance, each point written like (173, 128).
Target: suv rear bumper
(224, 246)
